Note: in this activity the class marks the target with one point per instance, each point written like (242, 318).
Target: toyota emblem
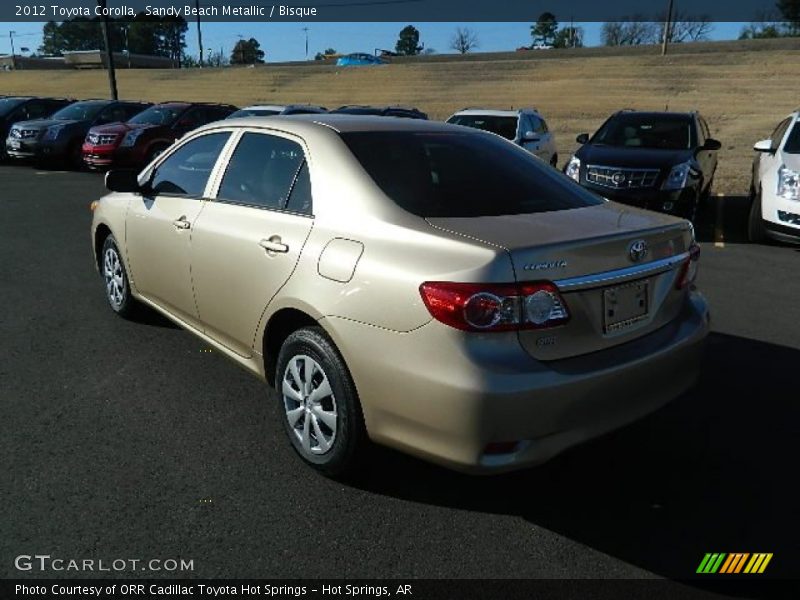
(638, 250)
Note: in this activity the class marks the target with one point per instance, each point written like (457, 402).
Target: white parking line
(719, 230)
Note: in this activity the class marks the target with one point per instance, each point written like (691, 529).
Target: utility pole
(112, 73)
(199, 33)
(13, 59)
(667, 27)
(306, 30)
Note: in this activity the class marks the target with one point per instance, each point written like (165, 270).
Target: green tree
(247, 52)
(408, 43)
(544, 31)
(52, 40)
(790, 9)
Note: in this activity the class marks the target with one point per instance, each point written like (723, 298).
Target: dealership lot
(133, 440)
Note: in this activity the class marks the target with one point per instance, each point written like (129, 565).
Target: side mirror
(763, 146)
(712, 144)
(582, 138)
(123, 181)
(530, 136)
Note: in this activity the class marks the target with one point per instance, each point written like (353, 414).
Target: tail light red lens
(689, 269)
(495, 307)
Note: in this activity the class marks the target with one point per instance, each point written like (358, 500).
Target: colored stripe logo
(737, 562)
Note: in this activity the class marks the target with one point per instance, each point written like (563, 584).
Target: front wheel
(118, 290)
(319, 404)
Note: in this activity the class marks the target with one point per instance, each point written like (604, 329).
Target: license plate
(14, 145)
(625, 305)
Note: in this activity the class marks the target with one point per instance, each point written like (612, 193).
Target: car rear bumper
(445, 396)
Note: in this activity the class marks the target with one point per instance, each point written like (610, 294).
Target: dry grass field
(742, 89)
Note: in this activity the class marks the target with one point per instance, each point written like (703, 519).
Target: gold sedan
(420, 285)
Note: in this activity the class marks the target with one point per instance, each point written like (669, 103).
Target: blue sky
(286, 41)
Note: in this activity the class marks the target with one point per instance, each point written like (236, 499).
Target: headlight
(53, 132)
(131, 137)
(678, 176)
(788, 183)
(573, 169)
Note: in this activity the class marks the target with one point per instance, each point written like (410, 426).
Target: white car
(269, 110)
(524, 126)
(775, 187)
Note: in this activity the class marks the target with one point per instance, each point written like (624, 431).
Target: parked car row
(662, 161)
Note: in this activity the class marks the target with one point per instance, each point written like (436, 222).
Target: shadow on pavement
(714, 471)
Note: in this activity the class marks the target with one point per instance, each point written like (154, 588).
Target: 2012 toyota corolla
(425, 286)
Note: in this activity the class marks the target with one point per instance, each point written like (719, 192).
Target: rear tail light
(495, 307)
(689, 269)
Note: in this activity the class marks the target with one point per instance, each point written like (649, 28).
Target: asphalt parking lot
(132, 440)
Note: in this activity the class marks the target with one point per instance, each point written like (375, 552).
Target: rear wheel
(756, 232)
(154, 153)
(319, 403)
(115, 278)
(554, 161)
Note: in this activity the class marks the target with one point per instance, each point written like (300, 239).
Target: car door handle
(274, 244)
(181, 223)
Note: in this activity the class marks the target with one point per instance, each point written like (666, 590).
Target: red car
(145, 136)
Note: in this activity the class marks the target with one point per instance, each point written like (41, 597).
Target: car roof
(278, 107)
(491, 112)
(657, 113)
(341, 123)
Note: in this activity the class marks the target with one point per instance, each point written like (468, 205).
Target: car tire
(554, 161)
(319, 404)
(154, 153)
(115, 279)
(756, 232)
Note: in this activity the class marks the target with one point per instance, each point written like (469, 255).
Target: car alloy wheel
(116, 287)
(310, 405)
(116, 279)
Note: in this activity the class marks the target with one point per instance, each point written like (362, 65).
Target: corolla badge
(546, 266)
(638, 250)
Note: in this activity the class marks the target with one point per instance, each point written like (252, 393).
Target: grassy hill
(743, 88)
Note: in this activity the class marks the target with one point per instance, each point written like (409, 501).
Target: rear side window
(462, 175)
(185, 172)
(261, 171)
(792, 145)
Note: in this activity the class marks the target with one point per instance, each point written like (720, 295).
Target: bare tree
(464, 40)
(633, 31)
(685, 28)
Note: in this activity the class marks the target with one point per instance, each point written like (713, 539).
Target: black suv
(656, 160)
(14, 109)
(381, 111)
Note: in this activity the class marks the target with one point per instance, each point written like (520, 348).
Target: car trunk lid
(615, 290)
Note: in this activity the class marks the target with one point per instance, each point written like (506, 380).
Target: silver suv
(523, 126)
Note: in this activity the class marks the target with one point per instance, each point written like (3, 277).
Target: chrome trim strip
(623, 169)
(620, 275)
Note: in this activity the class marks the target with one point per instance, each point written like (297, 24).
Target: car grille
(101, 139)
(24, 134)
(621, 179)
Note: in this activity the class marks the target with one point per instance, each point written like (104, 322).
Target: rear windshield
(435, 174)
(254, 112)
(668, 132)
(792, 145)
(504, 126)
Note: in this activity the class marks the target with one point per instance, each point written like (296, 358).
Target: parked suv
(269, 110)
(139, 140)
(60, 136)
(662, 161)
(775, 187)
(14, 109)
(381, 111)
(525, 127)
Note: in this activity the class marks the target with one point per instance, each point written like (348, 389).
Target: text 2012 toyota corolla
(425, 286)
